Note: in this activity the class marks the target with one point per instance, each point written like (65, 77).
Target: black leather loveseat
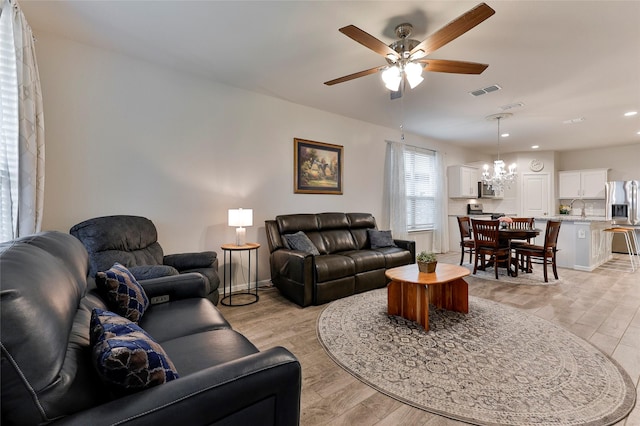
(47, 370)
(345, 260)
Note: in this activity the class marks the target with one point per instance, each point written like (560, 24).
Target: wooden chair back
(464, 224)
(522, 223)
(551, 235)
(486, 233)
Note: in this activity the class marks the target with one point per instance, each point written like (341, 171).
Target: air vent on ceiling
(485, 90)
(511, 106)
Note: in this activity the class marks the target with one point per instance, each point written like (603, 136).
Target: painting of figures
(317, 167)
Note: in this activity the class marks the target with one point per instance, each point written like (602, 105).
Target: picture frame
(317, 167)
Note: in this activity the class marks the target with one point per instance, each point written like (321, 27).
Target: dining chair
(486, 235)
(520, 223)
(466, 240)
(543, 254)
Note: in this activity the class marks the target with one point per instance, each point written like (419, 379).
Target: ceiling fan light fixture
(413, 71)
(392, 78)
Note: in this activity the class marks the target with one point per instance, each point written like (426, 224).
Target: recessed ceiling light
(630, 113)
(505, 135)
(639, 133)
(574, 120)
(535, 146)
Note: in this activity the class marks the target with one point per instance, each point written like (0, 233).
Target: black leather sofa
(133, 242)
(47, 374)
(346, 263)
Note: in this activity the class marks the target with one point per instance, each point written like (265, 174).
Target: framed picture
(317, 167)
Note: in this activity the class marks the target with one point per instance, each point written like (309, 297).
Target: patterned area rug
(495, 365)
(536, 277)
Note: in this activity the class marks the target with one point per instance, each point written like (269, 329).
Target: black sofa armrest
(293, 272)
(407, 245)
(184, 261)
(293, 263)
(262, 388)
(176, 287)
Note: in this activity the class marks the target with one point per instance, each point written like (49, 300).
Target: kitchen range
(476, 210)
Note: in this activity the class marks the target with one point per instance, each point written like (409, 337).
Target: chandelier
(501, 177)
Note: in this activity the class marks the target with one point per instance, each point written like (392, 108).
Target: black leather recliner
(133, 242)
(47, 376)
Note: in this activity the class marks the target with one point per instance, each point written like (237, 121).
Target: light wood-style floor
(602, 307)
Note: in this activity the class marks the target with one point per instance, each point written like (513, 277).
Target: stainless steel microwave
(484, 191)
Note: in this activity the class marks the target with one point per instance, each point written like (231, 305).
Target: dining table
(505, 235)
(508, 234)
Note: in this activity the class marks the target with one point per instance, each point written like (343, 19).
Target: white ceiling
(562, 59)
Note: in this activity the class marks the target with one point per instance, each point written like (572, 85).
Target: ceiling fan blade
(354, 75)
(456, 67)
(368, 41)
(454, 29)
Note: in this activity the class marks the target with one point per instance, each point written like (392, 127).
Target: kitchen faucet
(582, 213)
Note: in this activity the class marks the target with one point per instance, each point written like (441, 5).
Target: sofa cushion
(333, 266)
(337, 240)
(366, 260)
(125, 295)
(167, 321)
(297, 222)
(395, 256)
(125, 356)
(146, 272)
(129, 240)
(380, 239)
(299, 241)
(194, 352)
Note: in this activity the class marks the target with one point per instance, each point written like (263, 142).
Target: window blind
(420, 184)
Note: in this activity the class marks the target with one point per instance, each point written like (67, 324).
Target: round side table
(230, 249)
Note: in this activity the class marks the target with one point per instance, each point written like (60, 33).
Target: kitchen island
(582, 244)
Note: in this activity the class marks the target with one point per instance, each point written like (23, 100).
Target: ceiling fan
(406, 57)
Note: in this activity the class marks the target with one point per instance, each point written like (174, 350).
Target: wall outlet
(582, 234)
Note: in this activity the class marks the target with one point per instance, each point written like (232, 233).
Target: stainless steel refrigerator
(622, 209)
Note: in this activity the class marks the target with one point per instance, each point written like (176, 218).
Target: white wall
(623, 161)
(128, 137)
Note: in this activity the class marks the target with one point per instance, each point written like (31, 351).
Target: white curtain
(21, 127)
(395, 205)
(441, 228)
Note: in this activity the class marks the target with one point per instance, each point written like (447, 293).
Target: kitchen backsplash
(591, 207)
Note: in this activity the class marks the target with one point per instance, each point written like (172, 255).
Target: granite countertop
(574, 218)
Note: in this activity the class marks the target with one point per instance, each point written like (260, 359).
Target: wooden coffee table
(410, 291)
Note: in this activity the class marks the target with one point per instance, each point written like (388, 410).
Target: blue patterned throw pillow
(125, 295)
(125, 356)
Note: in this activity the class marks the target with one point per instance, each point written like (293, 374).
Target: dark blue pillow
(299, 241)
(125, 356)
(125, 295)
(380, 239)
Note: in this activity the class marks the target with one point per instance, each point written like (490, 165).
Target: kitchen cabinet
(463, 182)
(582, 184)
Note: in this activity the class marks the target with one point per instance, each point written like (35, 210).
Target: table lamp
(240, 218)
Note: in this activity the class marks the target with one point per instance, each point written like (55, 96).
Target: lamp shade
(240, 217)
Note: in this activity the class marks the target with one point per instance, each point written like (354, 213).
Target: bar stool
(629, 235)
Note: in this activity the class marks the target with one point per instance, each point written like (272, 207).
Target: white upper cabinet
(463, 182)
(582, 184)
